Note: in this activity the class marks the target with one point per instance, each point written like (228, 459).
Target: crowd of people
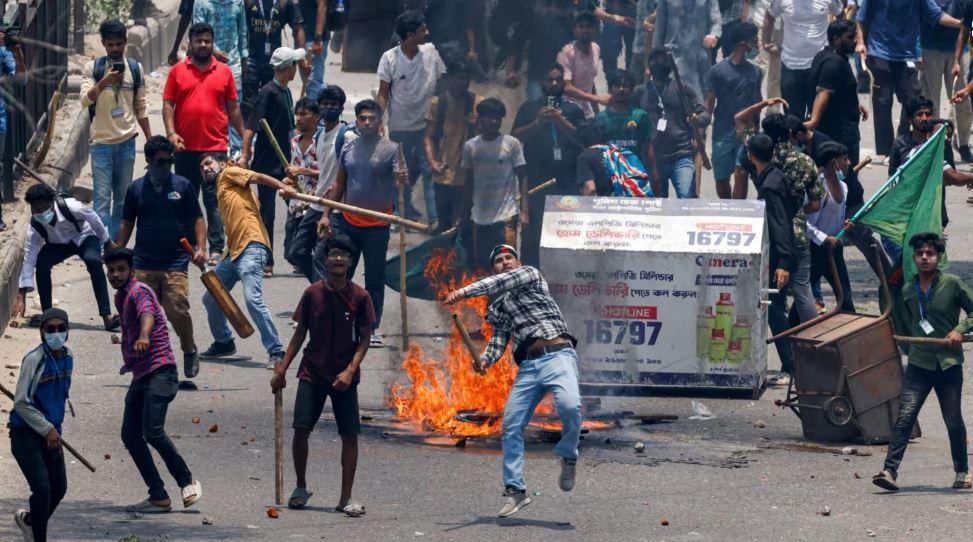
(688, 68)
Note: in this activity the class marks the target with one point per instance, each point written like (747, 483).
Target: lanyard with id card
(663, 123)
(268, 23)
(923, 300)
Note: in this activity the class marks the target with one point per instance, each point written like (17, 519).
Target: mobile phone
(118, 67)
(552, 102)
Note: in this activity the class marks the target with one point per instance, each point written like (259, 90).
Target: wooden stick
(280, 153)
(394, 219)
(64, 443)
(28, 171)
(542, 186)
(279, 447)
(403, 297)
(861, 165)
(467, 341)
(929, 340)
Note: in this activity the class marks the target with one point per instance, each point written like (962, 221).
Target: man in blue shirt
(887, 36)
(165, 208)
(938, 45)
(11, 62)
(35, 423)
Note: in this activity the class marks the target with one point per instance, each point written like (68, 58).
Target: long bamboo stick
(280, 153)
(394, 219)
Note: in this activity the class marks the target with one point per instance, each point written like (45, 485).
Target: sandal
(299, 498)
(191, 494)
(214, 259)
(352, 509)
(148, 507)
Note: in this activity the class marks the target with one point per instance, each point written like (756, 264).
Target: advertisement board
(659, 292)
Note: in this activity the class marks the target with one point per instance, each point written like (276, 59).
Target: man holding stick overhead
(248, 249)
(524, 311)
(339, 315)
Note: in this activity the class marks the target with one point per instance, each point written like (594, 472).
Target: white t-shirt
(328, 163)
(805, 28)
(829, 220)
(495, 187)
(413, 85)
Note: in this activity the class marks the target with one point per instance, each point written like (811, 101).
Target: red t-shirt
(200, 98)
(336, 321)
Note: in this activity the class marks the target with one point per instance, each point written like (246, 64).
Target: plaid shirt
(308, 159)
(132, 301)
(524, 311)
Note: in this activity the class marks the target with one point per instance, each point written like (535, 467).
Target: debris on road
(195, 419)
(639, 447)
(272, 513)
(107, 456)
(115, 339)
(214, 428)
(207, 520)
(826, 511)
(664, 522)
(760, 424)
(702, 412)
(869, 532)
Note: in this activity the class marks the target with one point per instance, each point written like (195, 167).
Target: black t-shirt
(276, 105)
(820, 138)
(737, 87)
(591, 165)
(161, 219)
(548, 29)
(186, 8)
(831, 71)
(539, 146)
(274, 14)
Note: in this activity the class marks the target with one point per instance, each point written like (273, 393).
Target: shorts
(724, 158)
(310, 402)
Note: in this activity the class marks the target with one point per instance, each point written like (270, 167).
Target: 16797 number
(718, 238)
(637, 332)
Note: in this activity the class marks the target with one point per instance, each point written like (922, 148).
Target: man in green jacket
(930, 307)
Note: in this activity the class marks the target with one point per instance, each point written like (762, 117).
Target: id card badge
(267, 47)
(117, 113)
(910, 64)
(661, 126)
(557, 154)
(926, 326)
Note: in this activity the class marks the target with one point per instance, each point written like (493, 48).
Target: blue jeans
(681, 173)
(556, 372)
(236, 139)
(413, 147)
(798, 286)
(316, 79)
(371, 244)
(111, 173)
(248, 267)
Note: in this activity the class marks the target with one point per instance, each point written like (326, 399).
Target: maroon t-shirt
(336, 321)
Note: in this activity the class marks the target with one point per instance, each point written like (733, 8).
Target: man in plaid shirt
(147, 354)
(524, 311)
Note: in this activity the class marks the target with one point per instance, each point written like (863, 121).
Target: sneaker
(190, 363)
(963, 481)
(819, 305)
(566, 479)
(965, 154)
(219, 349)
(275, 358)
(377, 341)
(885, 480)
(514, 501)
(20, 518)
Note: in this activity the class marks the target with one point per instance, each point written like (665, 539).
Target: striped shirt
(132, 301)
(524, 311)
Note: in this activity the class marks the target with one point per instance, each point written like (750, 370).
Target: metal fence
(42, 27)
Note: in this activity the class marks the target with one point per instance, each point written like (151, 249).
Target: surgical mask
(841, 176)
(46, 217)
(55, 341)
(160, 171)
(752, 53)
(332, 114)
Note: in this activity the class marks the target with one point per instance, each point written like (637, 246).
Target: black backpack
(62, 206)
(101, 64)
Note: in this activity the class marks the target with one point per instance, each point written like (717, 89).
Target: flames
(440, 389)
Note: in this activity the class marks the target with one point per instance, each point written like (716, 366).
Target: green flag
(911, 202)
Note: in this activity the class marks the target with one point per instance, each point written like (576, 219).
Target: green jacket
(948, 295)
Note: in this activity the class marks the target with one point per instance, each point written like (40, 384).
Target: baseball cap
(285, 55)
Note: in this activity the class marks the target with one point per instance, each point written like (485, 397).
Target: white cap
(284, 56)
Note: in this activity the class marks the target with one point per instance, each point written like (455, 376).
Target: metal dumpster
(847, 374)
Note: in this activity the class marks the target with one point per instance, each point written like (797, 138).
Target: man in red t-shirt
(199, 97)
(339, 316)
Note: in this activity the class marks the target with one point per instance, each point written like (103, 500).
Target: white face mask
(56, 341)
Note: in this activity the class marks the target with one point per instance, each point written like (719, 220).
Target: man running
(524, 311)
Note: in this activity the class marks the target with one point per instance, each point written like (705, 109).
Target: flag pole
(889, 183)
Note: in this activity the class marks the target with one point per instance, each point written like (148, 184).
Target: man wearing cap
(35, 423)
(275, 105)
(524, 311)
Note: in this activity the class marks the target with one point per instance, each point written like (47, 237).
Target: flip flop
(299, 498)
(352, 509)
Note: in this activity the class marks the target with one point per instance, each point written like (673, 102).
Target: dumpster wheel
(839, 410)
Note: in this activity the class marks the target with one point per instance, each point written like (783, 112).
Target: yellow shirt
(240, 211)
(117, 110)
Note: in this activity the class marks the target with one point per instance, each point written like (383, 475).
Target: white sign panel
(660, 292)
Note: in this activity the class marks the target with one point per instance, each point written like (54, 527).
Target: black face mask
(160, 171)
(660, 71)
(924, 126)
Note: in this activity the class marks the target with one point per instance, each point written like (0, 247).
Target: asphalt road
(728, 478)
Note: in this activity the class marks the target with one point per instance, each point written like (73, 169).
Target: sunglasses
(56, 329)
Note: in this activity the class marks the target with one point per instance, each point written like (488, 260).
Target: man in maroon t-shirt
(339, 316)
(199, 97)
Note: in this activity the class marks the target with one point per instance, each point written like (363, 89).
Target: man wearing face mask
(822, 225)
(62, 227)
(35, 423)
(165, 209)
(548, 128)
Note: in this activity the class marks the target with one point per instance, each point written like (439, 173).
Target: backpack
(627, 174)
(339, 140)
(62, 206)
(101, 64)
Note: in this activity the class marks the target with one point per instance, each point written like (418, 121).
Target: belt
(549, 349)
